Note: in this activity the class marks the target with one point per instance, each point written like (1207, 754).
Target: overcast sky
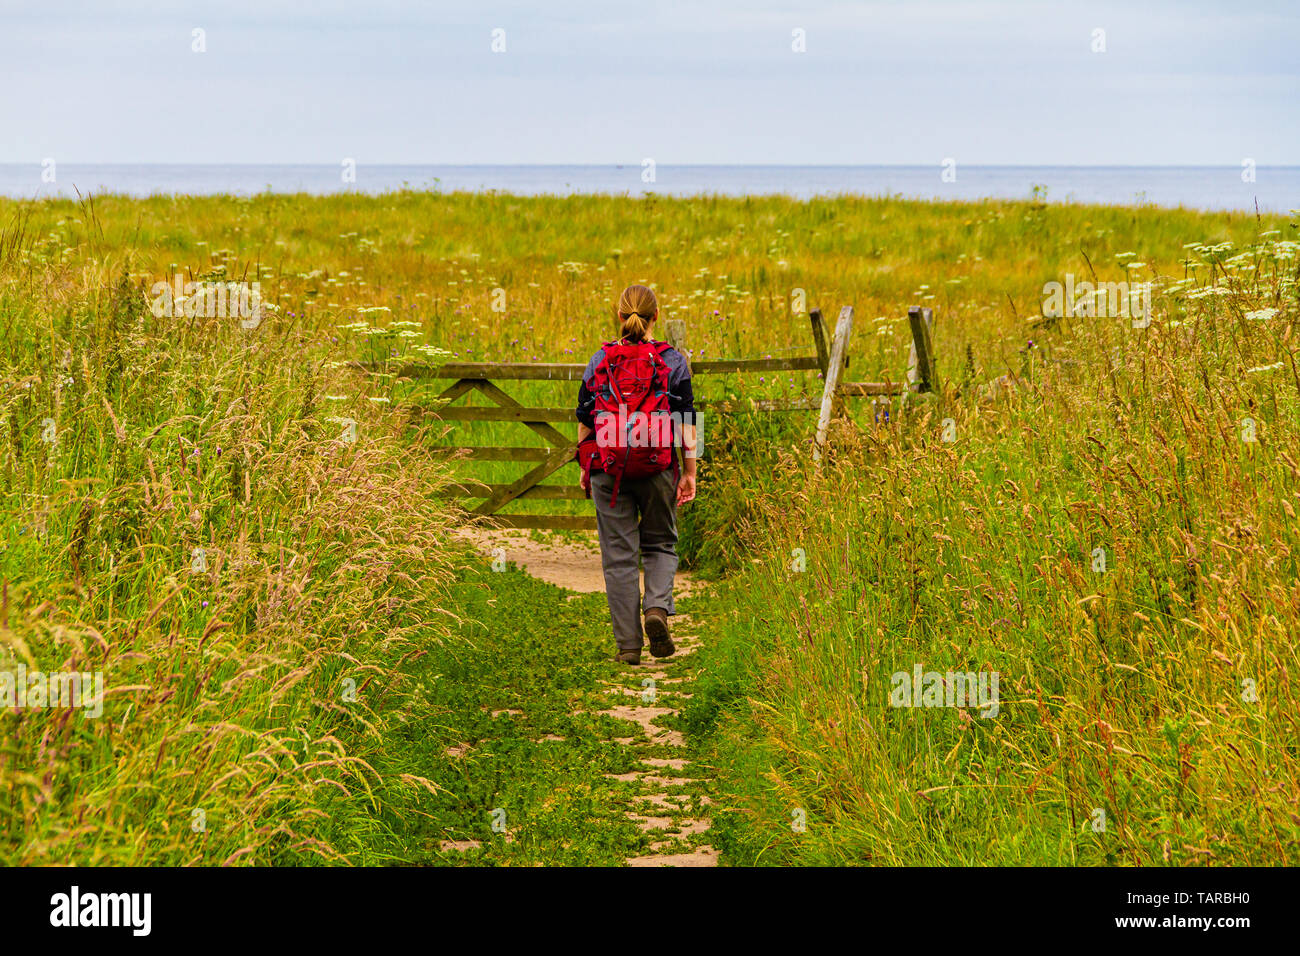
(692, 81)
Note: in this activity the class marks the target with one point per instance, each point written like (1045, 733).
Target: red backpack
(634, 432)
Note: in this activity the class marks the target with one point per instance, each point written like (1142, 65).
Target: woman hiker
(634, 405)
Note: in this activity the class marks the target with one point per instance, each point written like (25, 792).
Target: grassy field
(292, 641)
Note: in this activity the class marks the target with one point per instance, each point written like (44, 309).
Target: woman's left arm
(681, 400)
(690, 462)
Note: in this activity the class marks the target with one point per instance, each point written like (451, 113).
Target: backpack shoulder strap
(661, 350)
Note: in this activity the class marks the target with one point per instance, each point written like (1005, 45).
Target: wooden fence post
(835, 364)
(819, 339)
(675, 330)
(921, 369)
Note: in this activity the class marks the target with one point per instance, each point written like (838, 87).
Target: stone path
(666, 798)
(666, 794)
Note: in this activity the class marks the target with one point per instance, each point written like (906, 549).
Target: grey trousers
(643, 523)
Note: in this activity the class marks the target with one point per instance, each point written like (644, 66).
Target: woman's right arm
(586, 402)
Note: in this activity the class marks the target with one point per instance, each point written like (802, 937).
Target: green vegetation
(1114, 535)
(310, 679)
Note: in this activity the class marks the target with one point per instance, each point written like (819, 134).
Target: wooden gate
(481, 378)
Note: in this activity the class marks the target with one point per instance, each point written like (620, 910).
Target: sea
(1270, 189)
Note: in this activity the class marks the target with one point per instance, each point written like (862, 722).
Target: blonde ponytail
(637, 308)
(634, 328)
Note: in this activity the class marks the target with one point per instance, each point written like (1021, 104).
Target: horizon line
(658, 163)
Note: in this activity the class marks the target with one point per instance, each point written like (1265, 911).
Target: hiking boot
(631, 655)
(656, 628)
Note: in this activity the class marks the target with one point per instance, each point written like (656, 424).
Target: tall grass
(251, 586)
(1148, 705)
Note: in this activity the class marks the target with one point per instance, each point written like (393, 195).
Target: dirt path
(572, 563)
(667, 798)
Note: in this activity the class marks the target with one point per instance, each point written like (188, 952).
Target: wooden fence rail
(831, 359)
